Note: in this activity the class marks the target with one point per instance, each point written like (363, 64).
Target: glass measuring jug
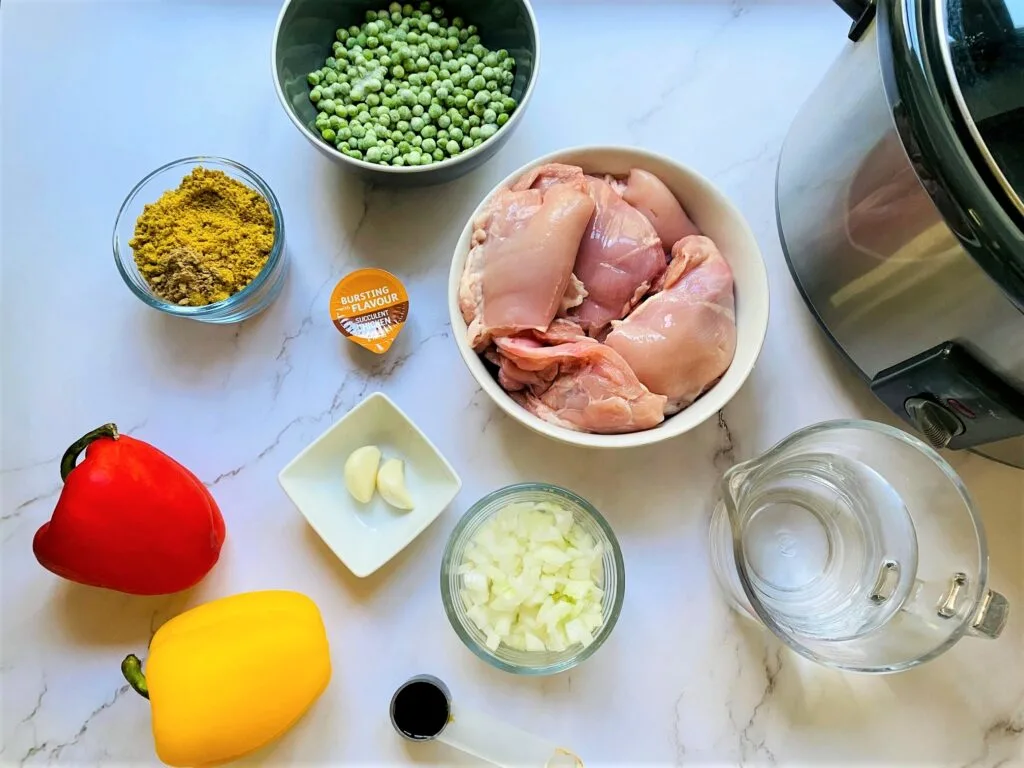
(858, 546)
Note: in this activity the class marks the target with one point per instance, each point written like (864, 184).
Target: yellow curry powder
(204, 241)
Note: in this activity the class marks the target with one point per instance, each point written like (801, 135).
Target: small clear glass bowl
(252, 299)
(614, 579)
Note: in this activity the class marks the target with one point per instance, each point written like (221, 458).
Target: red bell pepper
(130, 518)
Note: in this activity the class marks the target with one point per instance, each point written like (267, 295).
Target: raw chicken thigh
(682, 339)
(649, 195)
(521, 261)
(581, 385)
(545, 176)
(557, 259)
(619, 257)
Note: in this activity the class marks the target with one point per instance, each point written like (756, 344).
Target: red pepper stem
(131, 668)
(70, 458)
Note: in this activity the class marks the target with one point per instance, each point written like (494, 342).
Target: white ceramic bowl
(717, 218)
(365, 536)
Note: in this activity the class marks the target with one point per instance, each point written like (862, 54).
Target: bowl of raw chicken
(608, 297)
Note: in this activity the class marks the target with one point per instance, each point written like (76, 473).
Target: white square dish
(366, 536)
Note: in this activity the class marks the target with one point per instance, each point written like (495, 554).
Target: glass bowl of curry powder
(203, 238)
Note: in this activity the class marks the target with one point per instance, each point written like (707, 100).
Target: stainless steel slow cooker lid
(954, 76)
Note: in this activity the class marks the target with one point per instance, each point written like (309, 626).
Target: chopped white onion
(531, 579)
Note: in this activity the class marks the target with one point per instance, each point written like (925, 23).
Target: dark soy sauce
(420, 710)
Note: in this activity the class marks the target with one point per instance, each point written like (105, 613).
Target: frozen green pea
(472, 59)
(417, 124)
(413, 158)
(315, 95)
(455, 133)
(402, 125)
(482, 97)
(444, 121)
(335, 122)
(428, 145)
(344, 133)
(474, 121)
(404, 112)
(428, 132)
(411, 137)
(364, 118)
(467, 142)
(474, 132)
(327, 105)
(460, 100)
(396, 136)
(413, 38)
(452, 147)
(358, 130)
(435, 111)
(390, 89)
(373, 154)
(328, 134)
(313, 78)
(491, 85)
(407, 10)
(490, 116)
(424, 98)
(416, 141)
(476, 83)
(502, 118)
(426, 159)
(344, 88)
(472, 42)
(506, 89)
(373, 100)
(442, 136)
(398, 161)
(417, 110)
(487, 130)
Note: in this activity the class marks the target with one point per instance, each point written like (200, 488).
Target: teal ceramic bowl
(302, 41)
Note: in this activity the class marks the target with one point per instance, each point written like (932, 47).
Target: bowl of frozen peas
(406, 94)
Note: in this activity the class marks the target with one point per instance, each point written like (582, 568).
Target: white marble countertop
(96, 94)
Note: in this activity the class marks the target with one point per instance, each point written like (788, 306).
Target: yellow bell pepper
(228, 677)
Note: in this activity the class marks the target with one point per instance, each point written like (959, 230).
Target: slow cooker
(899, 204)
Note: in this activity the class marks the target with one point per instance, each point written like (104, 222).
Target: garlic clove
(391, 484)
(361, 472)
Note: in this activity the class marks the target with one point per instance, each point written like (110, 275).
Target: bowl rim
(663, 431)
(320, 144)
(237, 299)
(447, 571)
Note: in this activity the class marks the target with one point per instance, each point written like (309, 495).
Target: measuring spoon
(422, 710)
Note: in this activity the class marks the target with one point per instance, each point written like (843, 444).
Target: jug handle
(991, 616)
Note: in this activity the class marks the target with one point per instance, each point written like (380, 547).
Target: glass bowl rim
(447, 574)
(237, 299)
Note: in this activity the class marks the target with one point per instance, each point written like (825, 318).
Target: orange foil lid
(370, 307)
